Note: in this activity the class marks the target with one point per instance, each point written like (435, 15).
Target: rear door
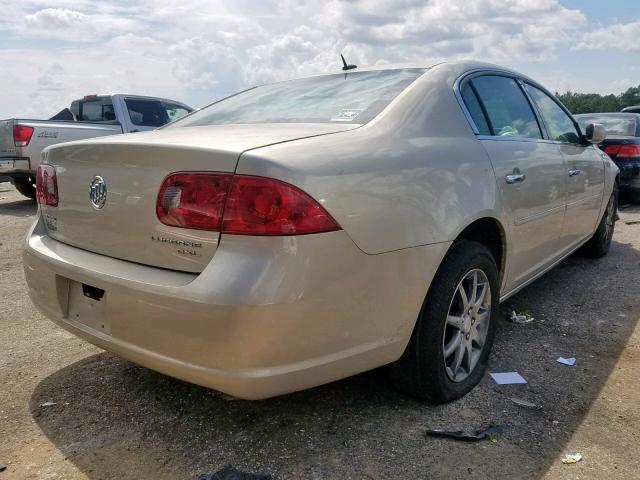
(584, 168)
(529, 171)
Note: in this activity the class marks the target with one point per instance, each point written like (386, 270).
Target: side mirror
(595, 133)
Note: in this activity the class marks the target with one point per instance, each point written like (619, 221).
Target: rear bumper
(11, 166)
(267, 316)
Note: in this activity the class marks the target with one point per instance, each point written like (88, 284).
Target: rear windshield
(354, 97)
(614, 125)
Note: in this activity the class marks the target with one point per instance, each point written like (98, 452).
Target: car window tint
(508, 110)
(475, 110)
(559, 125)
(99, 110)
(146, 113)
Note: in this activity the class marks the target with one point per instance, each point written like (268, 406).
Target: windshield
(354, 97)
(614, 125)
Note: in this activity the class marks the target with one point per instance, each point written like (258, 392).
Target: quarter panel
(416, 176)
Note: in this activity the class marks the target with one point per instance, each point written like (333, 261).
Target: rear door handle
(574, 171)
(515, 177)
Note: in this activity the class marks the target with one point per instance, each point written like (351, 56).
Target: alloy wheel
(467, 325)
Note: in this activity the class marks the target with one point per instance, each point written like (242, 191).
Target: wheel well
(488, 232)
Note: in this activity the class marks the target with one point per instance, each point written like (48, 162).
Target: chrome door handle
(515, 177)
(574, 171)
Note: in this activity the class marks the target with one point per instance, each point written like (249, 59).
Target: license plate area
(88, 307)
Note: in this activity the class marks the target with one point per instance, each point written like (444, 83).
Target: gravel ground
(115, 420)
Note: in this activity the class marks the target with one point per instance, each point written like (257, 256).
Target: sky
(197, 51)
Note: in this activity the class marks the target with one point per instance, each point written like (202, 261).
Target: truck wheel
(598, 246)
(25, 187)
(451, 342)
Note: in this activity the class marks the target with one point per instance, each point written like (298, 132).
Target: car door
(584, 168)
(529, 171)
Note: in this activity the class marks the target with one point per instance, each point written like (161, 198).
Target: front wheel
(451, 342)
(598, 246)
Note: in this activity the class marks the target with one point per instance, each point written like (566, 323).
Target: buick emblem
(98, 192)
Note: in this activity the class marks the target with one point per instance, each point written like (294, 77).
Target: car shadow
(17, 208)
(114, 419)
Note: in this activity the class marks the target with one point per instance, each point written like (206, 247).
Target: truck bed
(16, 159)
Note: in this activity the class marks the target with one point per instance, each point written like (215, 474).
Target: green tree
(595, 103)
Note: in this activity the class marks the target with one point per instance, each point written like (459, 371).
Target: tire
(598, 246)
(25, 187)
(423, 371)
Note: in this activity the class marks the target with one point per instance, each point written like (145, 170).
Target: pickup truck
(22, 141)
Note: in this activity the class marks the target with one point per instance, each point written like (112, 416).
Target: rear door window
(559, 124)
(475, 109)
(508, 112)
(96, 110)
(146, 113)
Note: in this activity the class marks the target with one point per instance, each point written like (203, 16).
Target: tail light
(623, 151)
(22, 135)
(193, 200)
(240, 204)
(47, 186)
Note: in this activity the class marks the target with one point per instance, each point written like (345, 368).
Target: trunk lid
(133, 168)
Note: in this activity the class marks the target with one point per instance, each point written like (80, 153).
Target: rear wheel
(26, 187)
(598, 246)
(451, 342)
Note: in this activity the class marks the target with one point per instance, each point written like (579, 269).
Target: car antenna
(347, 67)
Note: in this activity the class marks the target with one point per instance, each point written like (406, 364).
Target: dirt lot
(114, 420)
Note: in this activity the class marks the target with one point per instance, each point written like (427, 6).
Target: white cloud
(199, 50)
(621, 36)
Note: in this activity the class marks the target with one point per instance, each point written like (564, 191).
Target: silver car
(304, 231)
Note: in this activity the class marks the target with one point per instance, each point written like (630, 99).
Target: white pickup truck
(22, 141)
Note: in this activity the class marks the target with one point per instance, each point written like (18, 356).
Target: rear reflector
(22, 135)
(239, 204)
(623, 151)
(47, 186)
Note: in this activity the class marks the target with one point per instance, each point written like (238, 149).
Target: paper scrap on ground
(48, 404)
(520, 317)
(508, 378)
(572, 457)
(567, 361)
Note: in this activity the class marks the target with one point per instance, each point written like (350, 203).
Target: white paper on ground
(508, 378)
(567, 361)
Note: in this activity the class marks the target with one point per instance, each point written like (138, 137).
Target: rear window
(153, 113)
(354, 97)
(614, 125)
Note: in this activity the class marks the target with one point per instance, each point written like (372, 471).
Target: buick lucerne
(304, 231)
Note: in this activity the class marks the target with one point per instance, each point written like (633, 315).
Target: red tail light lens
(264, 206)
(629, 151)
(611, 150)
(22, 135)
(623, 151)
(193, 200)
(47, 186)
(239, 204)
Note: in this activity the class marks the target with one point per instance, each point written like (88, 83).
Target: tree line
(594, 102)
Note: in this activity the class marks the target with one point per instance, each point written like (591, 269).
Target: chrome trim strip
(538, 215)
